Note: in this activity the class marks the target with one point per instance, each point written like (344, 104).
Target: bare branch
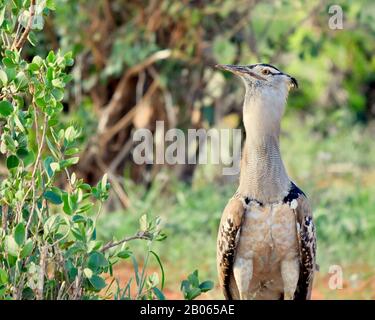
(142, 235)
(18, 44)
(4, 220)
(42, 272)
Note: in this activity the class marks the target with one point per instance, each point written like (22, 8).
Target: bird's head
(262, 77)
(267, 90)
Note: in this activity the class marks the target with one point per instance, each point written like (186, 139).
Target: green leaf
(97, 282)
(88, 273)
(53, 197)
(53, 121)
(104, 183)
(22, 153)
(2, 15)
(161, 268)
(136, 272)
(71, 151)
(85, 208)
(32, 38)
(10, 143)
(58, 93)
(11, 74)
(27, 249)
(51, 58)
(40, 102)
(94, 245)
(50, 4)
(124, 254)
(20, 233)
(193, 279)
(85, 186)
(12, 162)
(206, 286)
(70, 133)
(193, 293)
(21, 80)
(47, 165)
(57, 83)
(55, 166)
(69, 59)
(143, 223)
(158, 293)
(69, 162)
(19, 123)
(37, 60)
(6, 108)
(52, 147)
(3, 277)
(11, 54)
(77, 218)
(33, 67)
(8, 62)
(3, 77)
(96, 261)
(49, 74)
(29, 159)
(11, 246)
(67, 208)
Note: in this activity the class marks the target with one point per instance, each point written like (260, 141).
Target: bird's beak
(232, 68)
(238, 70)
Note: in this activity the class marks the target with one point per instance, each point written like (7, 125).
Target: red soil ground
(358, 283)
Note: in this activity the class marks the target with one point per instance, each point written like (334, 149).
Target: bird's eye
(265, 71)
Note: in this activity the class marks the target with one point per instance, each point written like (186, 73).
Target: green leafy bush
(48, 243)
(192, 288)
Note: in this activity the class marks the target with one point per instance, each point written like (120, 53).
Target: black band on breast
(248, 200)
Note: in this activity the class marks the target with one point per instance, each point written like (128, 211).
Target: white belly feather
(268, 237)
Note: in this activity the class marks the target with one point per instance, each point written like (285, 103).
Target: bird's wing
(307, 243)
(228, 236)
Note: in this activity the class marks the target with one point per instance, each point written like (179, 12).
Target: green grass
(334, 170)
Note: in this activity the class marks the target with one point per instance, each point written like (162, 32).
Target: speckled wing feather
(229, 230)
(307, 241)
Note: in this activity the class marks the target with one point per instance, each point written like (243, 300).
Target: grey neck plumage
(263, 176)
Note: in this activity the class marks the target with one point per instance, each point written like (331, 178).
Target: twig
(42, 271)
(61, 291)
(19, 44)
(77, 287)
(142, 235)
(45, 122)
(4, 218)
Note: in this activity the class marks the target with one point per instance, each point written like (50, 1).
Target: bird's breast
(268, 235)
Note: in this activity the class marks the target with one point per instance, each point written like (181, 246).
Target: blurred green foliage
(327, 134)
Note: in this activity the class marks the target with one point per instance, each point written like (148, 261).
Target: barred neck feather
(263, 175)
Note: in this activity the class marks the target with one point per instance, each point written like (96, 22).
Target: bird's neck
(263, 176)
